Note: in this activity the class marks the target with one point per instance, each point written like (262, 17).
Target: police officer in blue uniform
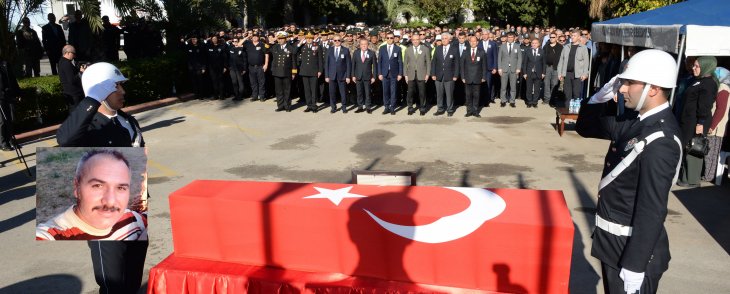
(217, 55)
(196, 54)
(641, 165)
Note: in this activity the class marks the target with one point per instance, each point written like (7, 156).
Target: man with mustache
(101, 189)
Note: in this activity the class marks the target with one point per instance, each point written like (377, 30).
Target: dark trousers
(5, 121)
(196, 77)
(390, 92)
(216, 81)
(257, 79)
(363, 93)
(118, 265)
(420, 86)
(485, 92)
(282, 86)
(310, 91)
(237, 83)
(472, 98)
(572, 86)
(612, 283)
(334, 86)
(32, 67)
(534, 87)
(53, 60)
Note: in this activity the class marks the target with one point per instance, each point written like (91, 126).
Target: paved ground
(225, 140)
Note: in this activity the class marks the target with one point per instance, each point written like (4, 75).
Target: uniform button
(608, 164)
(613, 149)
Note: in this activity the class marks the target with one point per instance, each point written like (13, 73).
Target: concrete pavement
(515, 148)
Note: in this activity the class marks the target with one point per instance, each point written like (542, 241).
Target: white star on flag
(335, 196)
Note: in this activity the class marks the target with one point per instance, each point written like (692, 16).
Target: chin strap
(106, 105)
(643, 97)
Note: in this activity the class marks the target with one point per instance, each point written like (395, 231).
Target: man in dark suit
(284, 70)
(473, 74)
(310, 69)
(390, 70)
(9, 91)
(417, 69)
(53, 42)
(30, 48)
(364, 71)
(70, 77)
(337, 72)
(533, 72)
(491, 50)
(445, 71)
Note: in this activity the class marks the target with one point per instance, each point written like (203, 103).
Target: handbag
(699, 146)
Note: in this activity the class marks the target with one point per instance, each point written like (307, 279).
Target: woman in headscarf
(719, 122)
(696, 116)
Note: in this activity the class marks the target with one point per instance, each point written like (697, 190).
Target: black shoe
(545, 103)
(686, 185)
(279, 109)
(487, 105)
(359, 110)
(468, 114)
(288, 110)
(476, 115)
(440, 112)
(333, 110)
(392, 112)
(344, 110)
(451, 114)
(386, 111)
(254, 99)
(512, 105)
(503, 104)
(423, 112)
(370, 110)
(411, 111)
(7, 147)
(308, 109)
(314, 110)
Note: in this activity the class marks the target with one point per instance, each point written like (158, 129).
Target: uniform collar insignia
(631, 144)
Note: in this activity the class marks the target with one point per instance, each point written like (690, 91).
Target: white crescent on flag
(484, 206)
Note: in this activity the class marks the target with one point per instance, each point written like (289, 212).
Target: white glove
(607, 92)
(632, 280)
(102, 90)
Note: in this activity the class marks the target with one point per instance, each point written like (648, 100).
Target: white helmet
(98, 74)
(652, 66)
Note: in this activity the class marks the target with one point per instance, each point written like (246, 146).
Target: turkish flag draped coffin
(496, 240)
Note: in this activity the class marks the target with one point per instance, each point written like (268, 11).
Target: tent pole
(679, 62)
(622, 55)
(590, 69)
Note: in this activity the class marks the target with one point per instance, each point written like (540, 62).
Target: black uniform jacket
(283, 60)
(638, 196)
(86, 127)
(310, 59)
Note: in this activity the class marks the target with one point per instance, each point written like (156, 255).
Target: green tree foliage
(438, 11)
(606, 9)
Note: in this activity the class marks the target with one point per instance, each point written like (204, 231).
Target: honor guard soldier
(258, 61)
(196, 65)
(641, 165)
(284, 70)
(310, 69)
(237, 67)
(217, 54)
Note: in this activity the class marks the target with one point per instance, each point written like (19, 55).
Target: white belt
(613, 228)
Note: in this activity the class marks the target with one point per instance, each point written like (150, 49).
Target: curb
(51, 130)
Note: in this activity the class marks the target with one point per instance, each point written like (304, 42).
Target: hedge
(42, 103)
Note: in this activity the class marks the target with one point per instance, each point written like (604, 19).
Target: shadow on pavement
(710, 206)
(60, 283)
(16, 221)
(163, 124)
(583, 278)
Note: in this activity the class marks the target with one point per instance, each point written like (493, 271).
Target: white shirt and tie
(446, 51)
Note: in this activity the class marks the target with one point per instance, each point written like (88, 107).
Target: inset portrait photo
(91, 193)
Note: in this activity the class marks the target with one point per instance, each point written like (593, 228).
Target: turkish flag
(497, 240)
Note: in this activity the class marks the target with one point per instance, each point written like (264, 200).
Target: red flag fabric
(493, 240)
